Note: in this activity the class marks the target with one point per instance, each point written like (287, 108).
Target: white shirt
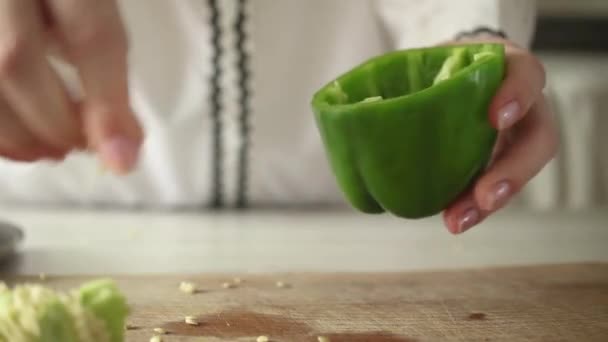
(295, 47)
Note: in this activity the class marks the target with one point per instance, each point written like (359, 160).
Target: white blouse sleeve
(415, 23)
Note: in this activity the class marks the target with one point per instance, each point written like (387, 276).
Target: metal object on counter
(10, 237)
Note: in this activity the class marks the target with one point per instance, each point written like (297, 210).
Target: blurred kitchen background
(567, 224)
(571, 41)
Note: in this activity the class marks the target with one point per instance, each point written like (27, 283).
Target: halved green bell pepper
(408, 131)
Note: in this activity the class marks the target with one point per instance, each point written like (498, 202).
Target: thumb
(95, 40)
(115, 134)
(109, 123)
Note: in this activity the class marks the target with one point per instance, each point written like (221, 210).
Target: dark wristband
(481, 30)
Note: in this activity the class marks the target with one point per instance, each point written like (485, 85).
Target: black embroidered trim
(217, 199)
(480, 30)
(244, 95)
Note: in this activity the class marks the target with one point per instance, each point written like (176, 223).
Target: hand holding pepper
(527, 140)
(408, 132)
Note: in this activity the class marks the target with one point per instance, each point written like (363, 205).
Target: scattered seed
(191, 320)
(156, 338)
(42, 276)
(160, 331)
(227, 285)
(187, 287)
(237, 280)
(262, 338)
(281, 284)
(323, 339)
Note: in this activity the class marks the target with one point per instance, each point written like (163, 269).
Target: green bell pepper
(408, 131)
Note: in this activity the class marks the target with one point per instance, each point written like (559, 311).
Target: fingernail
(119, 153)
(498, 196)
(507, 115)
(468, 219)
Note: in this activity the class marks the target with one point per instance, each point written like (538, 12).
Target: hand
(527, 140)
(38, 120)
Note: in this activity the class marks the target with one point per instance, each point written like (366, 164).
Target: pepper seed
(227, 285)
(281, 284)
(191, 320)
(160, 331)
(187, 287)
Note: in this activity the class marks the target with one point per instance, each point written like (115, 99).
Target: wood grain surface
(540, 303)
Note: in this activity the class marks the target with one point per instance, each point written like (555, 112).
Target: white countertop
(88, 242)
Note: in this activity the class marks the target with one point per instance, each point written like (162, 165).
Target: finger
(95, 40)
(521, 88)
(463, 214)
(17, 142)
(502, 141)
(33, 154)
(26, 79)
(535, 143)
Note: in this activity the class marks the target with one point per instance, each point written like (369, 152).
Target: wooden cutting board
(544, 303)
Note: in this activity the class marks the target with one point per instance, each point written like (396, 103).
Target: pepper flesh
(33, 313)
(408, 131)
